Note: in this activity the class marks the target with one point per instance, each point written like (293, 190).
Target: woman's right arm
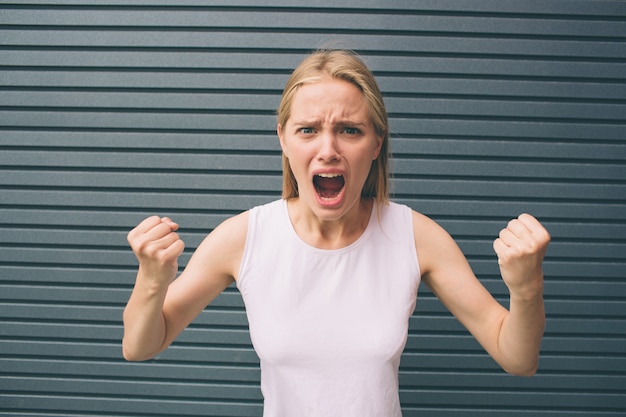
(161, 307)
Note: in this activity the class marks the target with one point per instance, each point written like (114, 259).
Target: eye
(351, 131)
(306, 130)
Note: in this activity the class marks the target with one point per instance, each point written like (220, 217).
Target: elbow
(526, 371)
(131, 356)
(134, 356)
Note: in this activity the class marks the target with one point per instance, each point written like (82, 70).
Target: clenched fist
(157, 246)
(521, 247)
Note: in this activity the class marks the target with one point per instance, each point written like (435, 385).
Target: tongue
(328, 187)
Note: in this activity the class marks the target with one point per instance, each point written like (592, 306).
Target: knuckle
(162, 257)
(149, 250)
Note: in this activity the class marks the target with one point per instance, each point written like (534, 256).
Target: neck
(329, 234)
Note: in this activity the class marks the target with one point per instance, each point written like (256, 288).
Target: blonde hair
(344, 65)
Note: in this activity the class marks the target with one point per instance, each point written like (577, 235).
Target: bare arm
(157, 247)
(512, 337)
(160, 308)
(521, 247)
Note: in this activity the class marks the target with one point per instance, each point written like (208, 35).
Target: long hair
(347, 66)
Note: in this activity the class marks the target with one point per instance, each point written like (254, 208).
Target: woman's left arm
(521, 247)
(512, 337)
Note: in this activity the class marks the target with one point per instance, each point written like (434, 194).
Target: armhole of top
(414, 254)
(241, 275)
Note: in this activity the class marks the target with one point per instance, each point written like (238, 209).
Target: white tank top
(329, 326)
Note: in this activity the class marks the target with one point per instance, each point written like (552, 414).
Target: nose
(329, 148)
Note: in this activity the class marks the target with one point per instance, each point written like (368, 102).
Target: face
(330, 143)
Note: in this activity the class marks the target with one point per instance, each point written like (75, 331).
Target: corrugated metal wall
(114, 110)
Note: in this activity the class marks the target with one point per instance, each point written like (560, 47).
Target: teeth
(329, 175)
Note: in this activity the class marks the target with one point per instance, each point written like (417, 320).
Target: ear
(281, 138)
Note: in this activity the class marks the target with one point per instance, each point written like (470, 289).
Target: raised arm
(161, 307)
(512, 337)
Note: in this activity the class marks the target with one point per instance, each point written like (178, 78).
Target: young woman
(329, 273)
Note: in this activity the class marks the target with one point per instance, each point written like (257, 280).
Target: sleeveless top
(329, 326)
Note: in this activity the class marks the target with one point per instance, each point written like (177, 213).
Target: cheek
(296, 160)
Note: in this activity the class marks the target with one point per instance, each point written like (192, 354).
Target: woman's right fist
(157, 246)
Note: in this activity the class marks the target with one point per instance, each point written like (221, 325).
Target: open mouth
(328, 185)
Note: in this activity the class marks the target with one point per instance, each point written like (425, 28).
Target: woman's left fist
(521, 247)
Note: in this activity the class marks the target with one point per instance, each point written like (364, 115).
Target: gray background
(111, 111)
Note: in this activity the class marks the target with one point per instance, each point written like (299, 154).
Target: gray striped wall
(114, 110)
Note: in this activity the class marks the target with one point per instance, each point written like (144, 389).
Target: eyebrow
(351, 123)
(342, 122)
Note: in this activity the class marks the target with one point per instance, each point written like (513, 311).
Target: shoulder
(426, 228)
(433, 243)
(228, 241)
(234, 226)
(219, 254)
(230, 235)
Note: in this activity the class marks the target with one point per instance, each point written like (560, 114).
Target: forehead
(329, 98)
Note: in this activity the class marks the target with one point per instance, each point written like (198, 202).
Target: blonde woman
(329, 273)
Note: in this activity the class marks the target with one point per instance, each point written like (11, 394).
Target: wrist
(531, 291)
(150, 283)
